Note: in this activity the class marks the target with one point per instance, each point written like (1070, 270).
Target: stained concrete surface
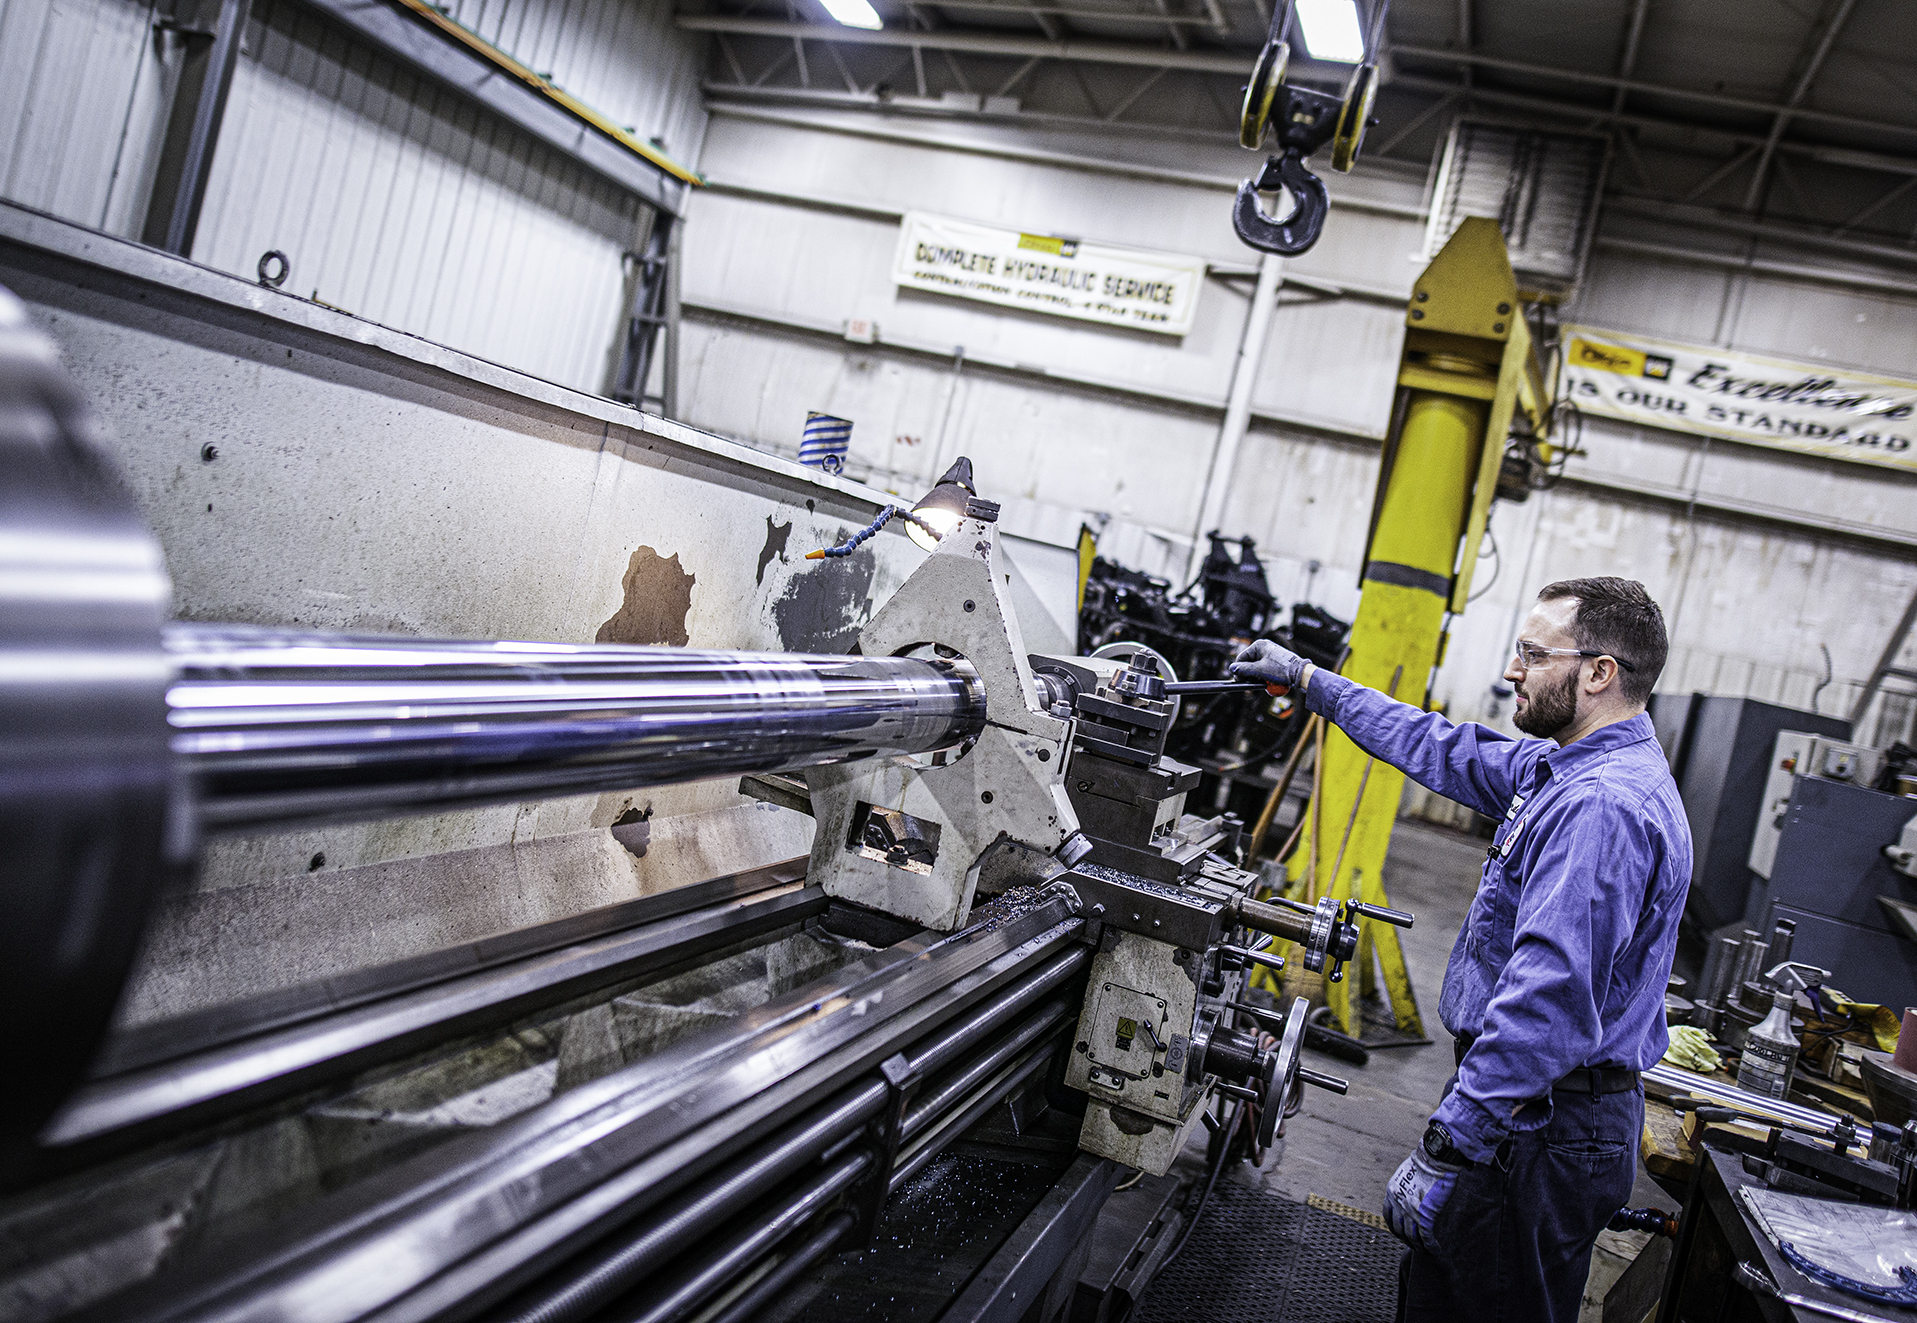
(1346, 1148)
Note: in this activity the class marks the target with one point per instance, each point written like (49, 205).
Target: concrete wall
(1758, 556)
(365, 480)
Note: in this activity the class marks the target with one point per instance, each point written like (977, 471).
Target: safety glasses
(1531, 655)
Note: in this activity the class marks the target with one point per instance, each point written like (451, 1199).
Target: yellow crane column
(1467, 363)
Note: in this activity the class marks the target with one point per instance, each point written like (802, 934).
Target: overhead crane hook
(1303, 121)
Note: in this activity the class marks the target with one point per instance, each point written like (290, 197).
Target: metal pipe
(1783, 935)
(598, 1280)
(775, 1283)
(1729, 949)
(911, 1163)
(280, 727)
(960, 1037)
(1750, 962)
(723, 1264)
(617, 1269)
(930, 1108)
(1244, 383)
(468, 1216)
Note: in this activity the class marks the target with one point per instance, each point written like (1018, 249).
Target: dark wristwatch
(1439, 1148)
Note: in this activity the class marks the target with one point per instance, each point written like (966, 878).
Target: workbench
(1670, 1155)
(1715, 1235)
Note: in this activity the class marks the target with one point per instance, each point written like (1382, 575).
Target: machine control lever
(1384, 914)
(1269, 1020)
(1245, 955)
(1319, 1079)
(1328, 931)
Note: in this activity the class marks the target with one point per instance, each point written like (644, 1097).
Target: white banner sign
(1717, 392)
(1044, 273)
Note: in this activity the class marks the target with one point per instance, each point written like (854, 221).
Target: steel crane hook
(1300, 229)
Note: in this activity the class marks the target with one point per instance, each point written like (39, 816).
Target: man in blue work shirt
(1555, 990)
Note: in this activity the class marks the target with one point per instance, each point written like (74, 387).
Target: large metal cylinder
(119, 746)
(274, 728)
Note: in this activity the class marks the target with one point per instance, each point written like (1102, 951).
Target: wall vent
(1541, 188)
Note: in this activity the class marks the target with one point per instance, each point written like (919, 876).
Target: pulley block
(1354, 117)
(1267, 76)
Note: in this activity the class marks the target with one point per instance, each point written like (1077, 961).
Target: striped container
(826, 441)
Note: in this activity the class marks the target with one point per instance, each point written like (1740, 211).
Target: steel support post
(653, 308)
(193, 130)
(1244, 380)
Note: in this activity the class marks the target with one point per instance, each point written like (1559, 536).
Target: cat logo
(1047, 243)
(1618, 359)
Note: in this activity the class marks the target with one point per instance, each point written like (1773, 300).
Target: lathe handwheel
(1282, 1075)
(1353, 117)
(1266, 78)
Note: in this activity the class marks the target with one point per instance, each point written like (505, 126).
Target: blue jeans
(1516, 1234)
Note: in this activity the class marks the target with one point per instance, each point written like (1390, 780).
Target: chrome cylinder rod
(276, 728)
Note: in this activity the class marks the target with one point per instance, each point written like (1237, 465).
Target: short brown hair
(1617, 617)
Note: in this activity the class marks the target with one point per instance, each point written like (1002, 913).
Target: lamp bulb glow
(1331, 30)
(854, 14)
(940, 518)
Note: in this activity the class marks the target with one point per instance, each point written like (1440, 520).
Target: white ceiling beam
(1072, 50)
(1237, 65)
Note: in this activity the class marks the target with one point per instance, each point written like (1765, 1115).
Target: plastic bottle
(1770, 1052)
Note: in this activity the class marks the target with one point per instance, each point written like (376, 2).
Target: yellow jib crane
(1468, 366)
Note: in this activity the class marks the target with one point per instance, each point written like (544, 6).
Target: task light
(1331, 30)
(944, 505)
(854, 14)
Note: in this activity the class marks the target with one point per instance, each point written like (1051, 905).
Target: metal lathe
(1009, 937)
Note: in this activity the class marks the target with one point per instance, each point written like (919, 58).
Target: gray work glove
(1416, 1193)
(1273, 663)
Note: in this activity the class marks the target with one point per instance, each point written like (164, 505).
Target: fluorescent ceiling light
(854, 13)
(1331, 29)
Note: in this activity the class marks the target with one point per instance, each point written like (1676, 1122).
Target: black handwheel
(1280, 1073)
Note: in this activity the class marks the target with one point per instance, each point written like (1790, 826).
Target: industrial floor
(1345, 1149)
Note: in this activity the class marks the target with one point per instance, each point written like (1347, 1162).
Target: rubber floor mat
(1256, 1258)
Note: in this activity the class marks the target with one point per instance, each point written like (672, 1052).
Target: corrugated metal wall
(84, 86)
(1750, 601)
(623, 58)
(400, 202)
(392, 198)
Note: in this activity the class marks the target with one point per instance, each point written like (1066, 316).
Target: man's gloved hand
(1419, 1188)
(1273, 663)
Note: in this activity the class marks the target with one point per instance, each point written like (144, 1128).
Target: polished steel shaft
(277, 727)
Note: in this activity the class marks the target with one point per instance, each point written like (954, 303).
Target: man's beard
(1548, 710)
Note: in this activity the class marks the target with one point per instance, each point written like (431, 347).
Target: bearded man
(1555, 990)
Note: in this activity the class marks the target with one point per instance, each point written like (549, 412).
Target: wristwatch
(1439, 1148)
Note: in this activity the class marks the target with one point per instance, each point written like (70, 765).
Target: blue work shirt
(1564, 956)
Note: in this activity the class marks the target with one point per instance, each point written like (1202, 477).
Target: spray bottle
(1770, 1051)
